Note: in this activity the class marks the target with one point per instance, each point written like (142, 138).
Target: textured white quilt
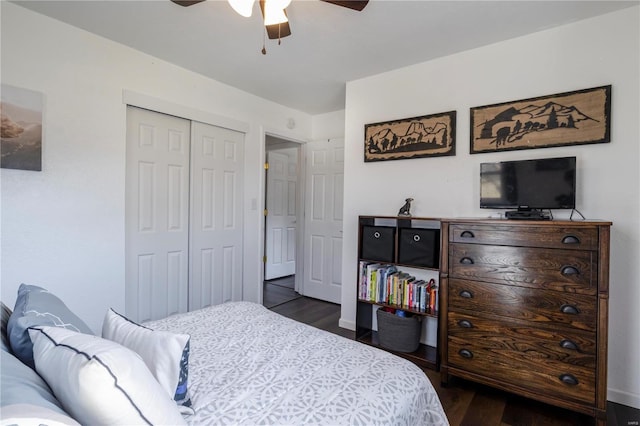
(251, 366)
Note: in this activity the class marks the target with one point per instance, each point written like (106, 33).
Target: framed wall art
(21, 129)
(426, 136)
(571, 118)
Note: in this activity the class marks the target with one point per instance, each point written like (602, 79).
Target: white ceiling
(329, 45)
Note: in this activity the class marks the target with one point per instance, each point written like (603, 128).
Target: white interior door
(216, 216)
(156, 215)
(280, 224)
(323, 220)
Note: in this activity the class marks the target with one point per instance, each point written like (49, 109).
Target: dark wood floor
(466, 403)
(278, 291)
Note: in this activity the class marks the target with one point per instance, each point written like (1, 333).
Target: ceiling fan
(273, 12)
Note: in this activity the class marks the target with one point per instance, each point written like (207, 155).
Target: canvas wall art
(571, 118)
(425, 136)
(21, 130)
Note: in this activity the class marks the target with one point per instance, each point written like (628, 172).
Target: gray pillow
(5, 313)
(22, 385)
(36, 306)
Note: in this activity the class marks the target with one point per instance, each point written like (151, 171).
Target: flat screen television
(529, 186)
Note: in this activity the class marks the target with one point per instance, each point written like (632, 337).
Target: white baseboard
(624, 398)
(349, 325)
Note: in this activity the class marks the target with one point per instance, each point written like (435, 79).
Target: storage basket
(378, 243)
(401, 334)
(419, 247)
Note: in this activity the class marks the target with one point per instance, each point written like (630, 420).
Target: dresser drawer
(554, 269)
(585, 238)
(558, 344)
(517, 368)
(537, 306)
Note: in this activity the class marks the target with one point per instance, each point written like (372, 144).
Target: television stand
(532, 214)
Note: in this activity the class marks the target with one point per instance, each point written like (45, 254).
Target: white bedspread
(251, 366)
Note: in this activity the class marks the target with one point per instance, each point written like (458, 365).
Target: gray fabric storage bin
(399, 334)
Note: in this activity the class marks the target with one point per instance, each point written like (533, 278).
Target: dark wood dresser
(524, 308)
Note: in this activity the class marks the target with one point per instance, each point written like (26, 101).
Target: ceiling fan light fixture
(242, 7)
(274, 12)
(280, 4)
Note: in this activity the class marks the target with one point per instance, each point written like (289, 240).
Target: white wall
(328, 126)
(600, 51)
(63, 228)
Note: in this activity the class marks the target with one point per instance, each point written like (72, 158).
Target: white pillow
(99, 381)
(166, 354)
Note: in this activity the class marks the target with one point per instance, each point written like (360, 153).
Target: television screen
(548, 183)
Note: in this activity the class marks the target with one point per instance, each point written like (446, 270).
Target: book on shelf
(372, 276)
(432, 296)
(423, 294)
(383, 283)
(362, 279)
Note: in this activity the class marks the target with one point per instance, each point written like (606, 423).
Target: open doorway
(282, 200)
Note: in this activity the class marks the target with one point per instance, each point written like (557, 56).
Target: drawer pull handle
(568, 379)
(570, 239)
(465, 353)
(569, 309)
(376, 234)
(466, 261)
(568, 344)
(569, 270)
(465, 324)
(467, 234)
(466, 294)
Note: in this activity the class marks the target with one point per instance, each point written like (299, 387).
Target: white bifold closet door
(216, 216)
(183, 215)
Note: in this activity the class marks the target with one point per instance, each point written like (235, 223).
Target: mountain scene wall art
(21, 128)
(571, 118)
(425, 136)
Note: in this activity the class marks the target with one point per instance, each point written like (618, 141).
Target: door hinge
(266, 212)
(266, 166)
(264, 259)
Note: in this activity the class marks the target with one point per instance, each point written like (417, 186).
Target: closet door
(216, 216)
(157, 215)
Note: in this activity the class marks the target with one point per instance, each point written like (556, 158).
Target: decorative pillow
(33, 415)
(99, 381)
(36, 306)
(20, 385)
(5, 313)
(166, 354)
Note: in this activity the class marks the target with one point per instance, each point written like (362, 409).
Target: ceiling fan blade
(350, 4)
(186, 3)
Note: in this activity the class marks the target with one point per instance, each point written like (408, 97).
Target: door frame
(299, 270)
(163, 106)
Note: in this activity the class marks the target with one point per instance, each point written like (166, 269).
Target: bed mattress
(251, 366)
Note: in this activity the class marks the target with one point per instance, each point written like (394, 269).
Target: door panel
(280, 241)
(156, 215)
(217, 165)
(323, 220)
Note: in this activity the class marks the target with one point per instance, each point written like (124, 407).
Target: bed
(248, 366)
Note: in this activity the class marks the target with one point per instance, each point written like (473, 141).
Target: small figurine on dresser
(405, 210)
